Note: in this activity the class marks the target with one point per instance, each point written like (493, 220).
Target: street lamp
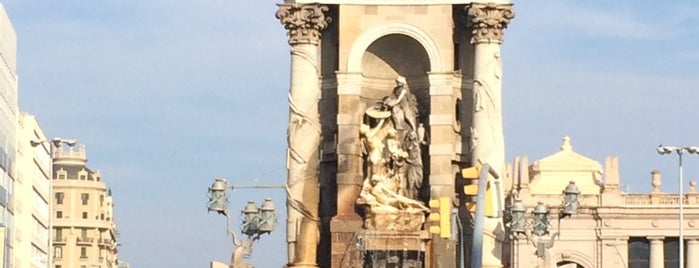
(255, 221)
(570, 202)
(663, 150)
(55, 142)
(539, 234)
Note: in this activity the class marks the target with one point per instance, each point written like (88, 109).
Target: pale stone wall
(31, 195)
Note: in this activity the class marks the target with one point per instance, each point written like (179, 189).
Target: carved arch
(354, 61)
(574, 256)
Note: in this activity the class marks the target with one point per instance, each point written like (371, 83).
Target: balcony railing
(85, 240)
(658, 199)
(60, 240)
(104, 241)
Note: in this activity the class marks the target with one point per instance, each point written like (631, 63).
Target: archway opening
(569, 264)
(382, 62)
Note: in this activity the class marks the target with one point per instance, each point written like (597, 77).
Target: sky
(168, 95)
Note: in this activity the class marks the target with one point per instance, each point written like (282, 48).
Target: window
(84, 215)
(639, 252)
(84, 197)
(671, 247)
(101, 200)
(58, 252)
(59, 234)
(83, 252)
(83, 233)
(102, 216)
(59, 198)
(58, 266)
(59, 214)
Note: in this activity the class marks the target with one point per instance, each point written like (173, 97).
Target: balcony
(60, 240)
(104, 242)
(85, 240)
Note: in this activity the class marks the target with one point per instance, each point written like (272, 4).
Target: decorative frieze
(488, 20)
(303, 22)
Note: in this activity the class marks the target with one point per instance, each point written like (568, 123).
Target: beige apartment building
(31, 197)
(612, 228)
(84, 233)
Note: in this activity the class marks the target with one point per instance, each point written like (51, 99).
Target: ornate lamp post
(539, 234)
(255, 221)
(663, 150)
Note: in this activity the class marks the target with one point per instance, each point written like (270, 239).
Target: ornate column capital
(303, 22)
(488, 20)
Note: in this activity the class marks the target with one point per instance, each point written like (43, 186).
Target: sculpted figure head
(400, 81)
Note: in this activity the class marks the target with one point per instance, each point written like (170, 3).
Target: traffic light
(440, 217)
(471, 190)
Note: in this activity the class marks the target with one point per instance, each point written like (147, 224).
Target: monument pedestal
(375, 248)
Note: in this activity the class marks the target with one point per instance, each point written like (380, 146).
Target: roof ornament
(566, 144)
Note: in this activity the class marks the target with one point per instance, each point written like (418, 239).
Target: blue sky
(167, 95)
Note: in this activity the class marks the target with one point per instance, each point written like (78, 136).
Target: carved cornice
(488, 20)
(303, 22)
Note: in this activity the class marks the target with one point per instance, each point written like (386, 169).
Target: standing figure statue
(404, 112)
(403, 106)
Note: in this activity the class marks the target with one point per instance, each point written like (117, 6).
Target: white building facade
(32, 194)
(611, 228)
(8, 134)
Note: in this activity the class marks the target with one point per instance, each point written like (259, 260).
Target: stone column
(349, 119)
(692, 252)
(441, 134)
(487, 22)
(349, 166)
(304, 23)
(657, 256)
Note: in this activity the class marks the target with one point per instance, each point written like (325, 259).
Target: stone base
(407, 221)
(350, 249)
(343, 229)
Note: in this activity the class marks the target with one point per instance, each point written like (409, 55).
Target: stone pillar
(441, 140)
(655, 181)
(349, 165)
(349, 119)
(692, 252)
(487, 22)
(657, 257)
(304, 23)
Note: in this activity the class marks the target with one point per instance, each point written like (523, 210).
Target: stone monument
(388, 101)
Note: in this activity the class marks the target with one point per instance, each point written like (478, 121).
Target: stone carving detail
(488, 20)
(392, 139)
(303, 22)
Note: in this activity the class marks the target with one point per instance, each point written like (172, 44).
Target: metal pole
(479, 218)
(681, 200)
